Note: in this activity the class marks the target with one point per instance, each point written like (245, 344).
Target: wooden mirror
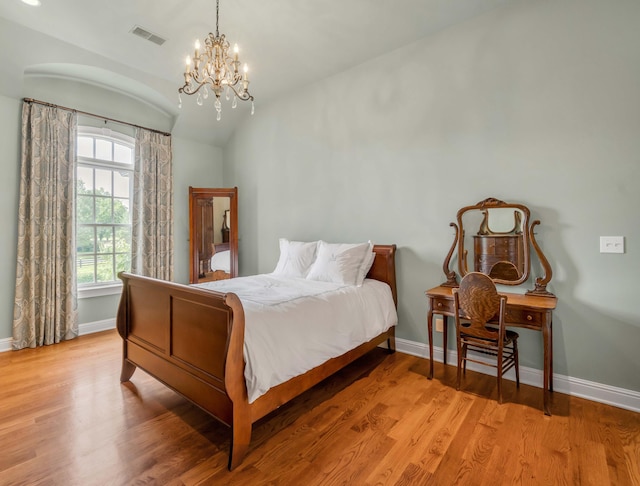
(213, 234)
(495, 238)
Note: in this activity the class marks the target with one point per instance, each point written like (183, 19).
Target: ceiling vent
(145, 34)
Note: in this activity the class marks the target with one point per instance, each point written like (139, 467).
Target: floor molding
(87, 328)
(597, 392)
(96, 326)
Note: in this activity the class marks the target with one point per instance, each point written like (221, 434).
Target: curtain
(45, 307)
(152, 207)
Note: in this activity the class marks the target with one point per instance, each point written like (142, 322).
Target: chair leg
(499, 361)
(460, 361)
(515, 355)
(464, 361)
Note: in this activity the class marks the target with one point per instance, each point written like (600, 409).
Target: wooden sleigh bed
(192, 340)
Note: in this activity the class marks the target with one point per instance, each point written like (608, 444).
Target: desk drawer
(524, 316)
(443, 306)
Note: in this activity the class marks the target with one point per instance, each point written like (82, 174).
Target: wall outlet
(612, 244)
(439, 324)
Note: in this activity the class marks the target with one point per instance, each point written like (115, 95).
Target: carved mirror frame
(228, 223)
(521, 228)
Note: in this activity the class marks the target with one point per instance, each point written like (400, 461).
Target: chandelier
(215, 69)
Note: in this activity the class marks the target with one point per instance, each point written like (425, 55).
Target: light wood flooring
(65, 419)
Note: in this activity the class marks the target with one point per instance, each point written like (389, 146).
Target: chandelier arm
(186, 91)
(244, 96)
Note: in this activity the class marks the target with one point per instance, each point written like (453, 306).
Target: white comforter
(293, 324)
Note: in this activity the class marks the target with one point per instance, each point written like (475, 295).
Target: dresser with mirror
(497, 238)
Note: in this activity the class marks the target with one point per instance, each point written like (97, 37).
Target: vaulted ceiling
(287, 43)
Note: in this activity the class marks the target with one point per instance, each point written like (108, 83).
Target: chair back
(478, 301)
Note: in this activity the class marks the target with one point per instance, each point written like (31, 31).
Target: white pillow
(340, 263)
(367, 263)
(296, 258)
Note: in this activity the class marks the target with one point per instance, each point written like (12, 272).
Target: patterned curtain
(45, 308)
(152, 235)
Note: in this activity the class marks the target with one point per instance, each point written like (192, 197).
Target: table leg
(445, 327)
(546, 342)
(550, 354)
(430, 339)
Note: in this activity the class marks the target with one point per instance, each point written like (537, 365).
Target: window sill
(88, 292)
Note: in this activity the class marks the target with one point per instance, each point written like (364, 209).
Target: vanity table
(500, 236)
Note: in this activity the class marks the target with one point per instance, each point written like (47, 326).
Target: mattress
(294, 324)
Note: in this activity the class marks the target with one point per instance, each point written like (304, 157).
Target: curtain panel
(45, 306)
(152, 207)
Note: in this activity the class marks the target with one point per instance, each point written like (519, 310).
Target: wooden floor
(65, 419)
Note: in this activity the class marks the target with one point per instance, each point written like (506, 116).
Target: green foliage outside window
(103, 239)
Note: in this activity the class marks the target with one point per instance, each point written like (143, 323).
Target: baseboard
(5, 344)
(96, 326)
(597, 392)
(87, 328)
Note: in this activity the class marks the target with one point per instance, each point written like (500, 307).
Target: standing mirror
(213, 234)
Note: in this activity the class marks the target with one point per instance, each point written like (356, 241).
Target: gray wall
(535, 103)
(195, 164)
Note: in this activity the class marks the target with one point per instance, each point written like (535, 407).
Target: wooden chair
(477, 306)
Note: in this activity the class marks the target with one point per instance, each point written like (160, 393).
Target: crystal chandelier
(217, 70)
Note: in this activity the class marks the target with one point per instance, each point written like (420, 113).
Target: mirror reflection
(213, 234)
(493, 240)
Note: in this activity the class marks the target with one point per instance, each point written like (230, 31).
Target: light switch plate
(439, 324)
(612, 244)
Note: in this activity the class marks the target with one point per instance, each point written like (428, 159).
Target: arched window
(104, 189)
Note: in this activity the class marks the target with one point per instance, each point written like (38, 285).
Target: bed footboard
(188, 338)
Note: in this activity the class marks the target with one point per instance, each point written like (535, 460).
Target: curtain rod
(105, 118)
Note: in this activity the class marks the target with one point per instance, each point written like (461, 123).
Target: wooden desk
(529, 311)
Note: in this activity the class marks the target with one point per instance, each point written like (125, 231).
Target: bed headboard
(384, 267)
(221, 247)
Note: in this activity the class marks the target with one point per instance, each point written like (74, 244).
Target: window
(104, 188)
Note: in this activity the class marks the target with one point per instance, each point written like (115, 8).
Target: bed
(192, 339)
(219, 263)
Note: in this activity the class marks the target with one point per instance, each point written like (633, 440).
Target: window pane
(104, 268)
(121, 211)
(84, 211)
(85, 180)
(123, 239)
(123, 262)
(103, 210)
(85, 265)
(103, 149)
(105, 239)
(121, 153)
(85, 242)
(121, 184)
(103, 182)
(85, 147)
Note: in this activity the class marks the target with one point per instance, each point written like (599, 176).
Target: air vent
(145, 34)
